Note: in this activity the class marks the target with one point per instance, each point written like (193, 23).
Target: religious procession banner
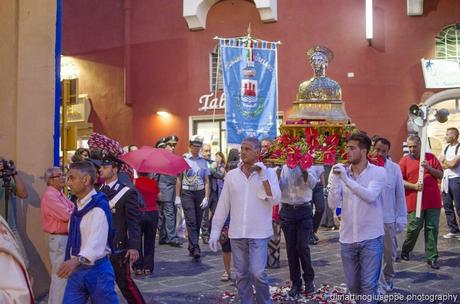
(250, 85)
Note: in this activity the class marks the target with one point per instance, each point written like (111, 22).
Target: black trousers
(448, 199)
(123, 278)
(149, 224)
(211, 208)
(297, 226)
(191, 201)
(319, 202)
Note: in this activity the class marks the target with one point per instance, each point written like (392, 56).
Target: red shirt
(431, 197)
(149, 190)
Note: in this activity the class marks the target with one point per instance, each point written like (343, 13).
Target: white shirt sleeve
(373, 190)
(312, 179)
(94, 231)
(335, 197)
(275, 199)
(400, 201)
(222, 211)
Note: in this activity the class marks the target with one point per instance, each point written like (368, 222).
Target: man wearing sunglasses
(56, 209)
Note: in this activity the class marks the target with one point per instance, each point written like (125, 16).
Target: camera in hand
(8, 169)
(6, 173)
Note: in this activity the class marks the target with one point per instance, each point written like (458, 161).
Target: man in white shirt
(87, 266)
(394, 213)
(249, 193)
(296, 220)
(450, 162)
(357, 189)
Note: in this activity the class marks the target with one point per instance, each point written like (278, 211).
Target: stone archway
(196, 11)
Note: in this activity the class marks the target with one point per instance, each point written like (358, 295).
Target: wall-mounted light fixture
(69, 69)
(163, 113)
(369, 21)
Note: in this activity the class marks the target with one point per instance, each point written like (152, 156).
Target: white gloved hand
(213, 242)
(204, 203)
(178, 202)
(400, 227)
(339, 169)
(261, 170)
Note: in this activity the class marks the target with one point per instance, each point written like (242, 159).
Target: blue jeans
(249, 260)
(96, 282)
(362, 262)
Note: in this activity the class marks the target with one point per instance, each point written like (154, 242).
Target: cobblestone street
(177, 279)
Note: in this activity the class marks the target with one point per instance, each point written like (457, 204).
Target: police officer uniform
(126, 215)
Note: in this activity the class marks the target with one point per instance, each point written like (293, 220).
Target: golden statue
(317, 129)
(319, 98)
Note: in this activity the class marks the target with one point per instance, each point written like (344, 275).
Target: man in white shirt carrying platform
(87, 266)
(394, 213)
(357, 189)
(296, 220)
(249, 193)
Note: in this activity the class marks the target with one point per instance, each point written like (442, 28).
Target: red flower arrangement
(376, 159)
(316, 146)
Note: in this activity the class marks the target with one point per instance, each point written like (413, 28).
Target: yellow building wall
(27, 33)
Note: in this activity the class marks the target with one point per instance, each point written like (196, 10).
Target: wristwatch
(82, 260)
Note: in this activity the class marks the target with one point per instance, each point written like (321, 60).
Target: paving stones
(177, 279)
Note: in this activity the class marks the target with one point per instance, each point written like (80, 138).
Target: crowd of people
(102, 224)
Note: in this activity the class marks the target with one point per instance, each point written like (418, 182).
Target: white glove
(400, 227)
(339, 170)
(178, 202)
(213, 242)
(204, 203)
(261, 170)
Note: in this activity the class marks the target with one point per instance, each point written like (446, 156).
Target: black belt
(303, 205)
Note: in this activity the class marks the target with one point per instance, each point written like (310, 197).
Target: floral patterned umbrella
(110, 146)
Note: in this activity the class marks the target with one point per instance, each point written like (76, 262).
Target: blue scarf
(98, 200)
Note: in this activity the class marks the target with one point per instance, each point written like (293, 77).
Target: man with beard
(357, 189)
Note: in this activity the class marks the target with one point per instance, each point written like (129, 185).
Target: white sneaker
(451, 235)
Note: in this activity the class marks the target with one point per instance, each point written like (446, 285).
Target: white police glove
(261, 170)
(178, 202)
(213, 242)
(204, 203)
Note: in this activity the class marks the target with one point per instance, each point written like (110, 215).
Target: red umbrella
(152, 160)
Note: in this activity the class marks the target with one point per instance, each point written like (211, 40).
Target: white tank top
(450, 154)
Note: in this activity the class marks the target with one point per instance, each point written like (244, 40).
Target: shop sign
(211, 102)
